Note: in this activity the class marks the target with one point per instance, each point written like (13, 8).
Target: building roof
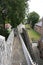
(39, 23)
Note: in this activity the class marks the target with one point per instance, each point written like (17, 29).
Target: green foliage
(1, 20)
(33, 18)
(33, 35)
(15, 10)
(4, 32)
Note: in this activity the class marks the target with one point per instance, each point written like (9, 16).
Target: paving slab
(18, 57)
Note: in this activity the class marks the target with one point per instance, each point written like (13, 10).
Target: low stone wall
(9, 47)
(2, 51)
(26, 53)
(27, 43)
(6, 49)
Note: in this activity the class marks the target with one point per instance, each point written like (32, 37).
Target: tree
(15, 10)
(33, 18)
(3, 13)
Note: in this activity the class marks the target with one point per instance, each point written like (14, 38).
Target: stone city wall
(2, 50)
(6, 49)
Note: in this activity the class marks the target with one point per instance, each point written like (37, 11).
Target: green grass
(33, 35)
(27, 26)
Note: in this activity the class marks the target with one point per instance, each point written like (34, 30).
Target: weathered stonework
(2, 50)
(9, 47)
(6, 49)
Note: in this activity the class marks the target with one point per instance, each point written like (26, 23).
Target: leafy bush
(4, 33)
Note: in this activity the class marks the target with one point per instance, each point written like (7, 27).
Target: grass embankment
(33, 35)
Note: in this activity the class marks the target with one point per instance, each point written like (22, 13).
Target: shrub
(4, 33)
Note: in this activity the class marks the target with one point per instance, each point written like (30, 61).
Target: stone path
(18, 57)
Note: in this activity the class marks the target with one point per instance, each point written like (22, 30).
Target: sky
(37, 6)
